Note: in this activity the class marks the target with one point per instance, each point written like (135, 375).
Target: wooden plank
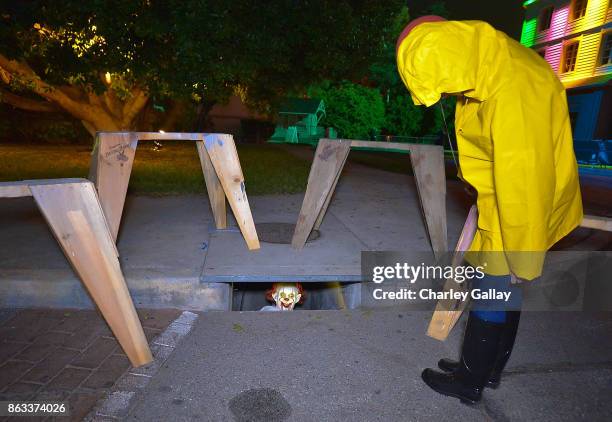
(93, 161)
(329, 158)
(386, 145)
(78, 223)
(224, 157)
(73, 181)
(114, 166)
(157, 136)
(14, 189)
(329, 196)
(428, 167)
(596, 222)
(167, 136)
(213, 187)
(448, 312)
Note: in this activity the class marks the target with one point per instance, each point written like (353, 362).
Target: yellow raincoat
(513, 135)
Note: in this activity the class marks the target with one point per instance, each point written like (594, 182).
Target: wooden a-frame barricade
(74, 215)
(112, 161)
(330, 156)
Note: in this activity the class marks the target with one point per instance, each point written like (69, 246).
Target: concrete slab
(162, 244)
(335, 256)
(327, 365)
(520, 398)
(371, 210)
(365, 366)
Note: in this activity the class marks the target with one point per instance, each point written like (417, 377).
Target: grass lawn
(173, 170)
(400, 163)
(382, 160)
(396, 162)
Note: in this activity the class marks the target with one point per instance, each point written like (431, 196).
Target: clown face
(286, 296)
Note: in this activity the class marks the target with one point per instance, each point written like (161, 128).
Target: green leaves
(403, 118)
(269, 49)
(355, 111)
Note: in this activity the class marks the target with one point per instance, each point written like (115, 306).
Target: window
(570, 52)
(606, 47)
(545, 18)
(579, 8)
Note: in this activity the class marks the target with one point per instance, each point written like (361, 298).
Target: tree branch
(38, 86)
(84, 105)
(112, 102)
(27, 103)
(76, 94)
(5, 76)
(88, 126)
(133, 106)
(134, 92)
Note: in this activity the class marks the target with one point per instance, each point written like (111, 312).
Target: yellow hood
(447, 57)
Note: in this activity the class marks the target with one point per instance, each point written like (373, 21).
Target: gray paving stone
(68, 379)
(95, 354)
(50, 366)
(106, 374)
(12, 371)
(117, 404)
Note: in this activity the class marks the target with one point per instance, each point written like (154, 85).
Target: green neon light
(528, 2)
(529, 32)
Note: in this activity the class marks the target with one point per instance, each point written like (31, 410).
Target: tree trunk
(97, 112)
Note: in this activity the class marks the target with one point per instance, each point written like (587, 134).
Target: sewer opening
(319, 296)
(281, 233)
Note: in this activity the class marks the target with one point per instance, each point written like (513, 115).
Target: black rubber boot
(478, 357)
(506, 345)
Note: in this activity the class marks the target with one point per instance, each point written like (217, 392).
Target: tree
(383, 69)
(102, 61)
(60, 57)
(354, 110)
(402, 117)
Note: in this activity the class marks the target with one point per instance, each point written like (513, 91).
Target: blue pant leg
(492, 310)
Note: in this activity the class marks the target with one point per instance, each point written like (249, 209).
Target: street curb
(116, 404)
(44, 288)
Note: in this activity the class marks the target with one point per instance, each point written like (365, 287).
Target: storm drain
(318, 296)
(260, 405)
(280, 233)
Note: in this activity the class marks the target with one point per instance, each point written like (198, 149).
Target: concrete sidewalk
(365, 366)
(166, 242)
(161, 242)
(371, 210)
(314, 365)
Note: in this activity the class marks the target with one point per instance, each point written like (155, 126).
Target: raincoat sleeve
(524, 179)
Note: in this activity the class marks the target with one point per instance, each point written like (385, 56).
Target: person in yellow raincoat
(515, 149)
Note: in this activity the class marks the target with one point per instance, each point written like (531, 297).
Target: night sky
(505, 15)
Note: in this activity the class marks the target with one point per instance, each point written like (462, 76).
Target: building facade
(575, 38)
